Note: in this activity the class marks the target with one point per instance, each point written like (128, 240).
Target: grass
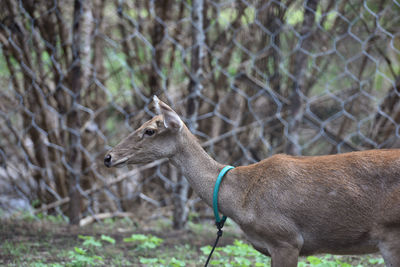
(45, 243)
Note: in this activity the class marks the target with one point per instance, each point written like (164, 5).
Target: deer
(287, 206)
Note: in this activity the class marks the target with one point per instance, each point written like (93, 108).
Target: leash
(219, 222)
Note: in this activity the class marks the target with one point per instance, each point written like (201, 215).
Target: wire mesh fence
(249, 78)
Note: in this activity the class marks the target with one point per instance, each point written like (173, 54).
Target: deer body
(287, 206)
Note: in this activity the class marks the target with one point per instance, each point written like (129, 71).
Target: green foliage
(176, 263)
(104, 250)
(15, 250)
(238, 254)
(116, 63)
(243, 255)
(90, 241)
(376, 261)
(3, 66)
(87, 256)
(108, 239)
(249, 15)
(173, 262)
(137, 13)
(314, 260)
(149, 260)
(40, 264)
(144, 241)
(29, 217)
(80, 257)
(294, 16)
(324, 261)
(226, 16)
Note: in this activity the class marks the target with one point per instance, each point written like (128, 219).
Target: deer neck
(199, 169)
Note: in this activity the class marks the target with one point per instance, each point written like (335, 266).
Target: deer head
(155, 139)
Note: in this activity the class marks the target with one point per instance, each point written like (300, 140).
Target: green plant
(376, 261)
(144, 241)
(15, 249)
(90, 241)
(150, 261)
(108, 239)
(324, 261)
(40, 264)
(173, 262)
(238, 254)
(37, 247)
(87, 256)
(80, 257)
(176, 263)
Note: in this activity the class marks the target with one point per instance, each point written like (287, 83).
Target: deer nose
(107, 160)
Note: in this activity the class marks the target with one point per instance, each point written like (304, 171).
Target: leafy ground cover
(48, 242)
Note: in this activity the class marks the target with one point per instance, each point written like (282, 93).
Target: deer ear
(171, 119)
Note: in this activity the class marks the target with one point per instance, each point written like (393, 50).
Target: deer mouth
(120, 163)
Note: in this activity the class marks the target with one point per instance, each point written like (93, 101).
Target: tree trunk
(298, 69)
(195, 87)
(78, 77)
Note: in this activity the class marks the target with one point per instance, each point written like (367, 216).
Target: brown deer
(286, 205)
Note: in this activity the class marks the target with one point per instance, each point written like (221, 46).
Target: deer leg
(389, 229)
(284, 256)
(390, 248)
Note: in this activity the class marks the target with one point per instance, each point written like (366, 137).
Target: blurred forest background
(250, 79)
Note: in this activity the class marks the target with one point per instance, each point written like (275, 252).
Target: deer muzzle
(110, 161)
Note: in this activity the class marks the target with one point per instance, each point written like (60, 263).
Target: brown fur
(287, 206)
(338, 202)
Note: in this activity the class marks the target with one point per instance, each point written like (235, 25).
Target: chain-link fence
(250, 79)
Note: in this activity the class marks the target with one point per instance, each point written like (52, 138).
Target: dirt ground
(44, 243)
(26, 242)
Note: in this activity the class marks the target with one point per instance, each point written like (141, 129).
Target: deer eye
(149, 132)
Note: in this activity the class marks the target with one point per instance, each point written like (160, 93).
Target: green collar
(221, 174)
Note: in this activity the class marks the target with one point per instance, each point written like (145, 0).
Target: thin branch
(102, 216)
